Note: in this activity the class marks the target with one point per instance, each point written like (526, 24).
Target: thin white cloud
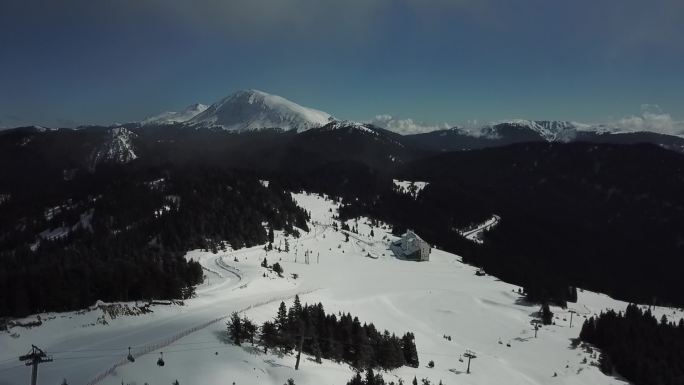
(652, 119)
(405, 126)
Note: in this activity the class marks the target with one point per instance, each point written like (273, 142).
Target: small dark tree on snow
(64, 382)
(264, 263)
(415, 381)
(431, 364)
(297, 306)
(371, 233)
(281, 318)
(290, 382)
(175, 383)
(278, 269)
(235, 328)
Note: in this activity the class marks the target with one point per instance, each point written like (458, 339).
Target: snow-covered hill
(172, 117)
(253, 110)
(117, 148)
(442, 297)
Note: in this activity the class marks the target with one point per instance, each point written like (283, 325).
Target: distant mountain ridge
(520, 131)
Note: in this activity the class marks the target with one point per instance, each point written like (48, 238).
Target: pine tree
(264, 263)
(281, 318)
(546, 314)
(356, 380)
(235, 328)
(297, 306)
(409, 349)
(370, 377)
(249, 330)
(269, 335)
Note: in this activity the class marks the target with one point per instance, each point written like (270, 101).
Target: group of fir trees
(637, 346)
(340, 338)
(371, 378)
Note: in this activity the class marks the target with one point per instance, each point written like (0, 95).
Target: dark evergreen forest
(637, 346)
(121, 234)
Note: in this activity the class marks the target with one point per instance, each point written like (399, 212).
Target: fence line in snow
(162, 344)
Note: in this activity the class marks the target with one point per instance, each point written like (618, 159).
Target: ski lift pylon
(130, 356)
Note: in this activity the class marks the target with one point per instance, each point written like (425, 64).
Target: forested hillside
(121, 233)
(603, 217)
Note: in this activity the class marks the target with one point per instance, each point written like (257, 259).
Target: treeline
(342, 339)
(637, 346)
(121, 234)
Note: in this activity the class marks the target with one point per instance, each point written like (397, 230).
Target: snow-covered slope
(253, 110)
(172, 117)
(442, 297)
(117, 148)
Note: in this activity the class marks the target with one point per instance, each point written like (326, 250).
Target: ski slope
(432, 299)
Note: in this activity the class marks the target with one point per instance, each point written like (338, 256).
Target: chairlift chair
(160, 361)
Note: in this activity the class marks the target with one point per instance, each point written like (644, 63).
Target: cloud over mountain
(405, 126)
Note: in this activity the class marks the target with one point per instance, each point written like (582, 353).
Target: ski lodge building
(412, 247)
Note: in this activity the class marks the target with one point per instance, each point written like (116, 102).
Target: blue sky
(69, 62)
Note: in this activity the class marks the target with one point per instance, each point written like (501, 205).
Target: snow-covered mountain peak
(117, 148)
(248, 110)
(172, 117)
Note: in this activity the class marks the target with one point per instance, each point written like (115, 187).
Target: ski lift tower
(33, 358)
(470, 354)
(572, 312)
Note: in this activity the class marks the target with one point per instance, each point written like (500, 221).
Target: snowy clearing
(409, 187)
